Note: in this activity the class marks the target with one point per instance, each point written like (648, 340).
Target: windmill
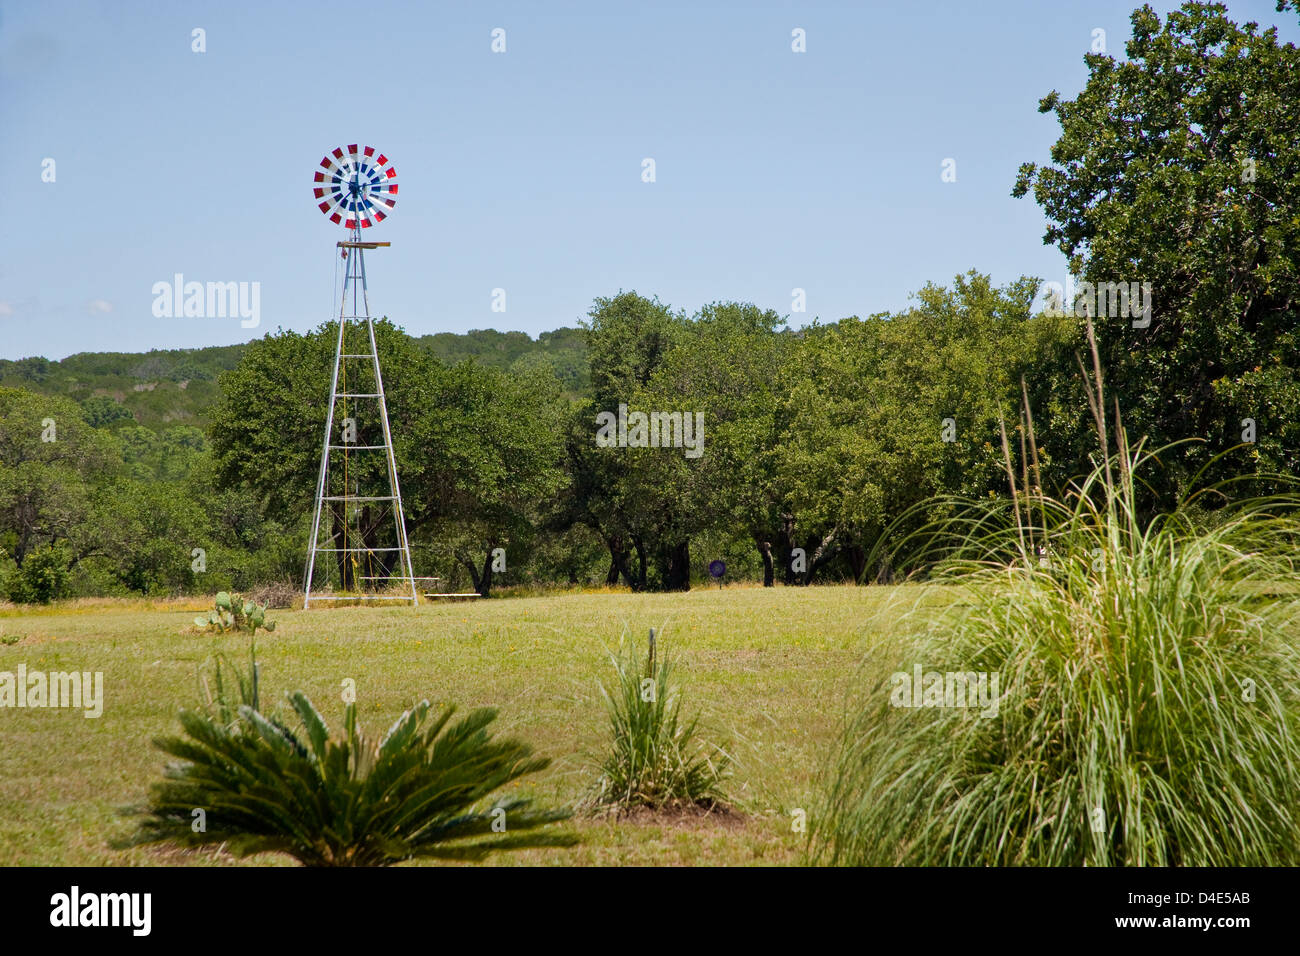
(357, 188)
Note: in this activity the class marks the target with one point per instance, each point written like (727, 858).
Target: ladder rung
(355, 498)
(356, 447)
(360, 597)
(392, 577)
(357, 355)
(356, 550)
(357, 395)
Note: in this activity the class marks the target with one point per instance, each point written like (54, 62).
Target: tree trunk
(617, 561)
(769, 575)
(677, 572)
(378, 565)
(857, 562)
(639, 583)
(885, 571)
(471, 567)
(338, 518)
(484, 584)
(785, 544)
(819, 552)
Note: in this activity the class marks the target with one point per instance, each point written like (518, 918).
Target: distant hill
(162, 388)
(157, 388)
(564, 350)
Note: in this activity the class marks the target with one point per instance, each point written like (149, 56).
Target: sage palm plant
(420, 790)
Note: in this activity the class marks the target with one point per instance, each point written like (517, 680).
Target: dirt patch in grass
(683, 816)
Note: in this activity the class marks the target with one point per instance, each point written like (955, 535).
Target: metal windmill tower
(357, 188)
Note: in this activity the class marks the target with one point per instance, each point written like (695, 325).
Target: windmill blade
(355, 186)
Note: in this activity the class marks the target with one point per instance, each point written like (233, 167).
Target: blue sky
(522, 170)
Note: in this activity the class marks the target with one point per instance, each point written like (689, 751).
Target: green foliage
(1153, 700)
(51, 491)
(419, 791)
(235, 688)
(101, 411)
(480, 461)
(42, 578)
(627, 336)
(563, 351)
(657, 758)
(868, 401)
(647, 504)
(156, 389)
(169, 455)
(233, 613)
(1177, 166)
(151, 533)
(273, 400)
(1146, 707)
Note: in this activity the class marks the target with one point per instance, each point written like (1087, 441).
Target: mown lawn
(769, 669)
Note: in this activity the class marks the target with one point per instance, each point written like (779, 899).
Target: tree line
(1178, 167)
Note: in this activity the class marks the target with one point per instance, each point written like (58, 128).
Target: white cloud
(98, 306)
(6, 309)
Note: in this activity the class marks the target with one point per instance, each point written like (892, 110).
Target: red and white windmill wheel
(356, 187)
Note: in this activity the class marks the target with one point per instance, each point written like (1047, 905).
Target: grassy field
(769, 669)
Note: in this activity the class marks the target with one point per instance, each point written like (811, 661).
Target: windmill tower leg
(324, 460)
(399, 513)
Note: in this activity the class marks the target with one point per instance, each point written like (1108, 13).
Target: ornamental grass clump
(1147, 706)
(657, 758)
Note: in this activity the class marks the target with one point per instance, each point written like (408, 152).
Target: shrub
(101, 411)
(1147, 711)
(275, 594)
(233, 613)
(353, 801)
(42, 578)
(657, 757)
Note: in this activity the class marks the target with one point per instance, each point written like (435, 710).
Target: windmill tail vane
(356, 188)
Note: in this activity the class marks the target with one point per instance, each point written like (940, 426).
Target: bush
(101, 411)
(275, 594)
(354, 801)
(42, 578)
(1147, 711)
(657, 758)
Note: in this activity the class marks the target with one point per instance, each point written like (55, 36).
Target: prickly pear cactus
(232, 613)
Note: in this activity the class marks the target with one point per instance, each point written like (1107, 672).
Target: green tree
(482, 461)
(101, 411)
(1180, 167)
(724, 366)
(51, 466)
(889, 411)
(628, 337)
(152, 531)
(267, 431)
